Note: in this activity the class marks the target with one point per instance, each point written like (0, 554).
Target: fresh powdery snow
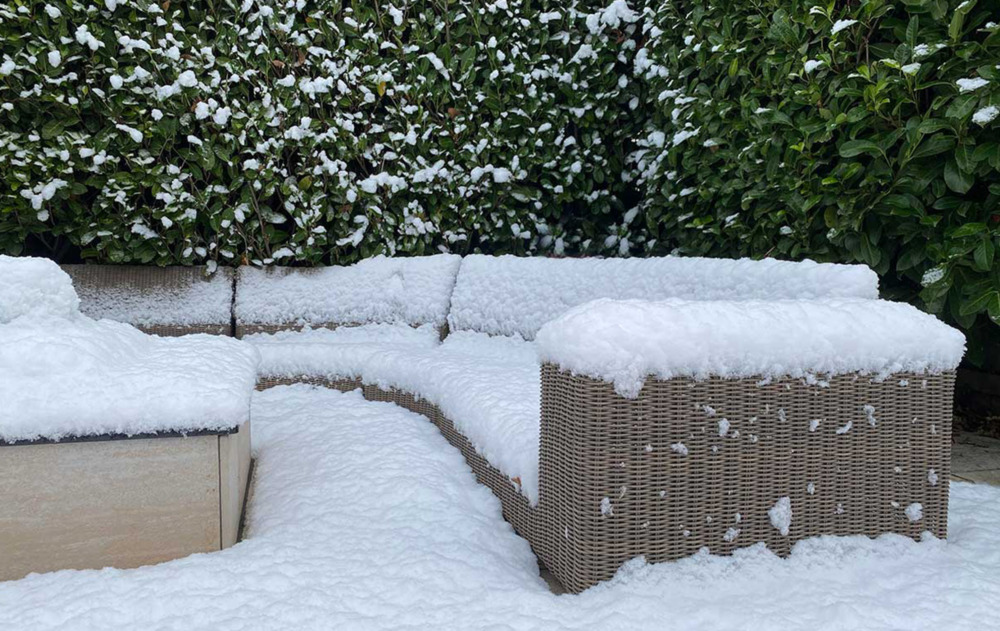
(488, 386)
(364, 517)
(413, 290)
(190, 301)
(64, 374)
(625, 341)
(33, 287)
(509, 295)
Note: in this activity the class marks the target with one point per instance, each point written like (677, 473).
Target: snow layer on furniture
(187, 299)
(507, 295)
(363, 517)
(342, 352)
(488, 386)
(34, 287)
(625, 341)
(73, 376)
(413, 290)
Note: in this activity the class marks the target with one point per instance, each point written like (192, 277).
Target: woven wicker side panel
(344, 384)
(655, 476)
(243, 329)
(176, 330)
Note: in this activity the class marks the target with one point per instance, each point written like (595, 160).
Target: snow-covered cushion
(487, 386)
(340, 352)
(624, 341)
(151, 297)
(414, 290)
(508, 295)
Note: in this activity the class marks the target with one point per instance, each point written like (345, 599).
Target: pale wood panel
(234, 467)
(121, 503)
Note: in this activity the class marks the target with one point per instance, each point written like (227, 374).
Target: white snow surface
(206, 300)
(508, 295)
(624, 341)
(34, 287)
(73, 376)
(363, 517)
(413, 290)
(489, 387)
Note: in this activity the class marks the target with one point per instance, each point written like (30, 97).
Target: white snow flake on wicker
(915, 511)
(781, 515)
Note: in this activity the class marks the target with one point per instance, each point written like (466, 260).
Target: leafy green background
(324, 131)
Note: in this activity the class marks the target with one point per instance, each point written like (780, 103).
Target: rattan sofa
(610, 485)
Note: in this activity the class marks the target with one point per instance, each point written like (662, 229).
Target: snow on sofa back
(413, 290)
(162, 300)
(509, 295)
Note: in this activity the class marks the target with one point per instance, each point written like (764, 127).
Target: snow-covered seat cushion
(340, 352)
(487, 386)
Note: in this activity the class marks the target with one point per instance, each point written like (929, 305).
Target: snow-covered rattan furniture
(758, 422)
(583, 472)
(117, 448)
(168, 301)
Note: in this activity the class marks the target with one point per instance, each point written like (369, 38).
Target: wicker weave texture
(140, 280)
(654, 476)
(244, 329)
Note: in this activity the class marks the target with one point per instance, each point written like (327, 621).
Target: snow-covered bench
(168, 301)
(116, 447)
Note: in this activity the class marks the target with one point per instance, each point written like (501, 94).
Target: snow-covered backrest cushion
(509, 295)
(412, 290)
(146, 296)
(34, 287)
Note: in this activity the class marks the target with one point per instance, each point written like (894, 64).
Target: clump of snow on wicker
(781, 515)
(67, 375)
(625, 341)
(202, 301)
(509, 295)
(34, 287)
(412, 290)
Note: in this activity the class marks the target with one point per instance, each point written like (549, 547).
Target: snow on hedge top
(413, 290)
(624, 341)
(510, 295)
(179, 296)
(73, 376)
(34, 287)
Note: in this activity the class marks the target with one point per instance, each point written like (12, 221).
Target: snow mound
(508, 295)
(34, 287)
(188, 298)
(412, 290)
(625, 341)
(67, 377)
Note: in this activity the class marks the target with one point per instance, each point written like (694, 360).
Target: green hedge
(845, 131)
(180, 132)
(325, 131)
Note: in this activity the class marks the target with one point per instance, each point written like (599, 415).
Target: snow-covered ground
(364, 517)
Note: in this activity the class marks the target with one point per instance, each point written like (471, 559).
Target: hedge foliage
(842, 131)
(328, 130)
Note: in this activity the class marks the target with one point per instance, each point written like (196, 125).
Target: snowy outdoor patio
(364, 518)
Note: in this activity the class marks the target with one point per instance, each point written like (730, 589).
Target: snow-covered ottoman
(117, 448)
(167, 301)
(668, 427)
(407, 292)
